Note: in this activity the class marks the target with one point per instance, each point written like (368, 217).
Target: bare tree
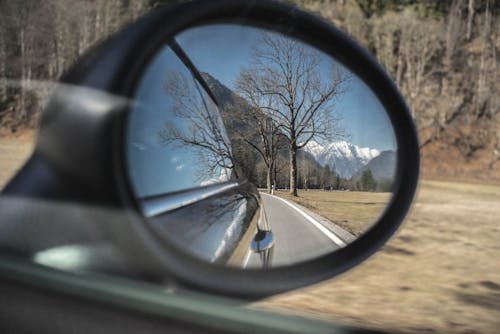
(397, 37)
(285, 81)
(454, 33)
(197, 125)
(482, 87)
(266, 143)
(41, 39)
(305, 169)
(470, 18)
(418, 65)
(3, 67)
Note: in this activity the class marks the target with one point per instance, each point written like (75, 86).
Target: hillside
(443, 55)
(383, 166)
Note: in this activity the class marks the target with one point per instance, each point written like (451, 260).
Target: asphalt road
(297, 238)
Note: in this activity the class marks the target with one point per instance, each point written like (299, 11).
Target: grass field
(439, 274)
(353, 211)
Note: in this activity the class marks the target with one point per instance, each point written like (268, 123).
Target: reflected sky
(157, 167)
(223, 49)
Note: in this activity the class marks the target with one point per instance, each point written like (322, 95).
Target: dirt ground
(353, 211)
(440, 273)
(444, 160)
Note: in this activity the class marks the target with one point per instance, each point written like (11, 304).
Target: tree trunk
(98, 25)
(3, 74)
(22, 98)
(470, 18)
(485, 34)
(293, 170)
(275, 175)
(452, 36)
(269, 180)
(61, 52)
(399, 70)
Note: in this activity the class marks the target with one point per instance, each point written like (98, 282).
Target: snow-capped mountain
(347, 157)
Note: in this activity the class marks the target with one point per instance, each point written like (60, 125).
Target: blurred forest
(444, 56)
(39, 40)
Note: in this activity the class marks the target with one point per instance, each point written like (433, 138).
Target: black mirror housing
(80, 156)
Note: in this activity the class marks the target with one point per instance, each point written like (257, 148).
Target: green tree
(385, 186)
(368, 183)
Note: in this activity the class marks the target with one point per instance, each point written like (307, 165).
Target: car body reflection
(211, 213)
(218, 229)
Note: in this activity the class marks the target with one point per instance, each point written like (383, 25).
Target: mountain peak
(347, 157)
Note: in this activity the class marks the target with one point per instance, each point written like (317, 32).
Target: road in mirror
(248, 148)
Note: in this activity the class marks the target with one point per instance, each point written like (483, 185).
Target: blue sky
(157, 167)
(223, 49)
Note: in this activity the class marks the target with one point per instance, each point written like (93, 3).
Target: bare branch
(286, 81)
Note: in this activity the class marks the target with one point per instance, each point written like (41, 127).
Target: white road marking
(320, 226)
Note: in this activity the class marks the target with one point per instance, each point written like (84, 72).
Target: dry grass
(14, 151)
(440, 273)
(353, 211)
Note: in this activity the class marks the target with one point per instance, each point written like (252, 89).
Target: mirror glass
(251, 149)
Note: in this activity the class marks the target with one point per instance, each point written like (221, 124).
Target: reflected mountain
(383, 167)
(347, 158)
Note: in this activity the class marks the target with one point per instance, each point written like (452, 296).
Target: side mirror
(243, 148)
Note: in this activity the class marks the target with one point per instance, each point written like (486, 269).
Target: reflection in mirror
(251, 149)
